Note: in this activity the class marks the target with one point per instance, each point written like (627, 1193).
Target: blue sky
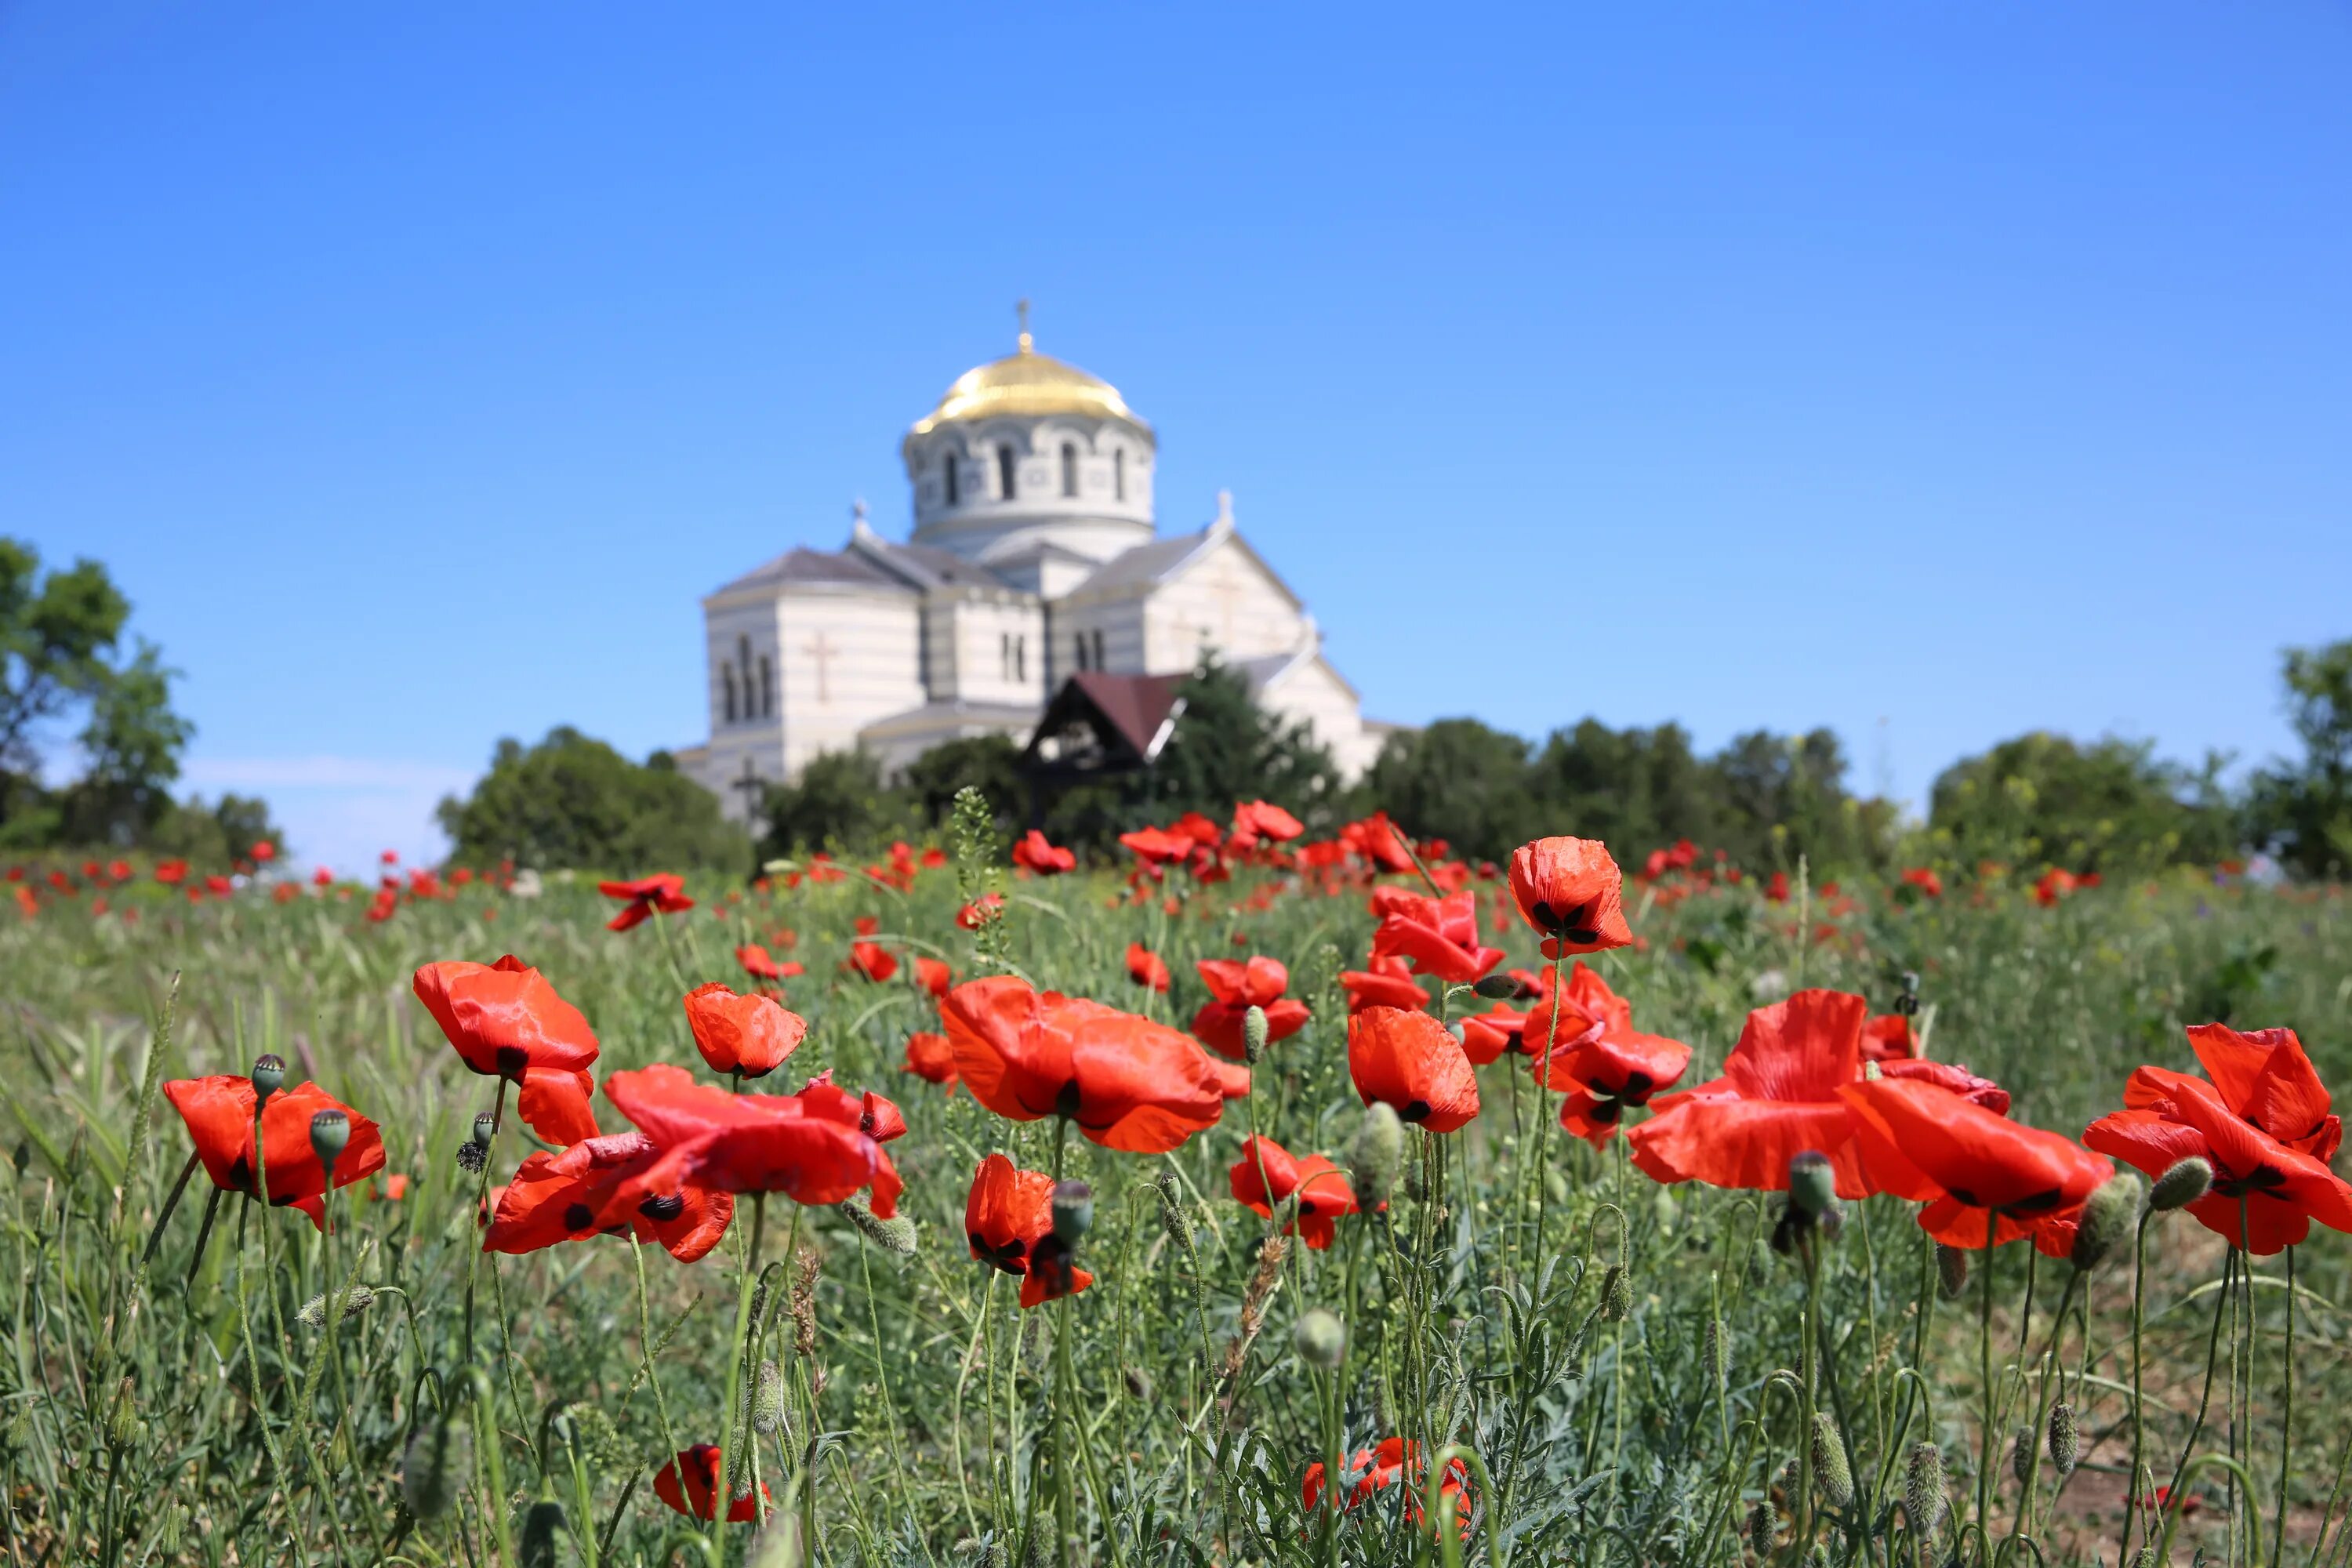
(1931, 372)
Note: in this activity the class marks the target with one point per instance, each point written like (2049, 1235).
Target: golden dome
(1027, 384)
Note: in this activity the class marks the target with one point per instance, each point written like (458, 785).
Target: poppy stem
(1800, 1541)
(2212, 1347)
(719, 1496)
(2139, 1285)
(1984, 1369)
(2286, 1424)
(482, 1196)
(203, 1235)
(1066, 1504)
(645, 1348)
(155, 1237)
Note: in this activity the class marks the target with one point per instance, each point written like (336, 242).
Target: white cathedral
(1034, 558)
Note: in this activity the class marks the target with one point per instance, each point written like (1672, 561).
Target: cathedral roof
(815, 568)
(1027, 384)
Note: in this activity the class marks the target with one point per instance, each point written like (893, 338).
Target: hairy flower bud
(1716, 1354)
(768, 1400)
(1616, 1294)
(1375, 1154)
(2182, 1184)
(2065, 1442)
(1951, 1271)
(2107, 1216)
(1812, 1185)
(1762, 1526)
(268, 1076)
(2020, 1455)
(122, 1420)
(1073, 1210)
(1320, 1338)
(1253, 1033)
(894, 1235)
(1925, 1494)
(1495, 987)
(1139, 1383)
(1172, 1216)
(542, 1527)
(1830, 1473)
(313, 1314)
(330, 1133)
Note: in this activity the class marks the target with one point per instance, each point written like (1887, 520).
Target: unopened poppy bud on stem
(1924, 1495)
(440, 1454)
(330, 1133)
(1760, 1527)
(2109, 1214)
(768, 1400)
(542, 1527)
(1812, 1185)
(1178, 1224)
(1074, 1211)
(1495, 987)
(2065, 1442)
(2182, 1184)
(1616, 1294)
(1321, 1338)
(1253, 1033)
(1375, 1154)
(1951, 1271)
(123, 1423)
(268, 1076)
(1830, 1473)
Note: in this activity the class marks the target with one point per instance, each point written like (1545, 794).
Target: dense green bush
(571, 801)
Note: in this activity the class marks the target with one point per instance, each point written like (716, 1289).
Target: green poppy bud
(268, 1076)
(2109, 1214)
(2020, 1455)
(1830, 1473)
(768, 1400)
(1375, 1154)
(1173, 1215)
(440, 1454)
(1762, 1526)
(1616, 1294)
(1951, 1271)
(2182, 1184)
(1925, 1490)
(122, 1420)
(1253, 1034)
(542, 1528)
(1812, 1185)
(330, 1133)
(1496, 987)
(1074, 1211)
(895, 1236)
(1320, 1338)
(2065, 1442)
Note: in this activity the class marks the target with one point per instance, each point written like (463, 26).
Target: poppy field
(1253, 1199)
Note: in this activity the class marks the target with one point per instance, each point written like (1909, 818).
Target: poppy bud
(1253, 1033)
(1074, 1211)
(2182, 1184)
(541, 1527)
(1951, 1271)
(1178, 1224)
(268, 1076)
(1320, 1337)
(122, 1420)
(1761, 1526)
(1907, 1004)
(2112, 1210)
(1830, 1473)
(768, 1400)
(2065, 1442)
(1139, 1383)
(330, 1132)
(313, 1314)
(1374, 1154)
(1616, 1294)
(1924, 1497)
(1495, 987)
(895, 1236)
(2020, 1456)
(1812, 1185)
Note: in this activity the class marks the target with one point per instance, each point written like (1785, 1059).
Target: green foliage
(220, 834)
(1468, 775)
(56, 633)
(989, 764)
(2110, 806)
(839, 802)
(2305, 810)
(1225, 748)
(573, 802)
(132, 741)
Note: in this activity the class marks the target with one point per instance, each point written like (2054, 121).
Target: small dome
(1027, 384)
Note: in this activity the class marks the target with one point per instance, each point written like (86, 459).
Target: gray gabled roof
(817, 568)
(1145, 565)
(923, 565)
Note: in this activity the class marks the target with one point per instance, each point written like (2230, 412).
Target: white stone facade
(1034, 556)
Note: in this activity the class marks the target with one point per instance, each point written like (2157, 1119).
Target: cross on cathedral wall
(821, 649)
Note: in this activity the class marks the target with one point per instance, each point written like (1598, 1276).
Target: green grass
(133, 1432)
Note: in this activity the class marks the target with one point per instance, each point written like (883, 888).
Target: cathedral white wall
(848, 659)
(1312, 694)
(999, 652)
(1225, 598)
(1121, 623)
(1111, 511)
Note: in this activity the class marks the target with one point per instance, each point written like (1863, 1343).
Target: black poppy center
(579, 1216)
(1414, 1110)
(1067, 1102)
(663, 1208)
(512, 1061)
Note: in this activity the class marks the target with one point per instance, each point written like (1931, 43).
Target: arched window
(1118, 473)
(948, 476)
(1069, 469)
(767, 688)
(1005, 476)
(727, 676)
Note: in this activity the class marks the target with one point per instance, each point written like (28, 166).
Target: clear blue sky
(1931, 372)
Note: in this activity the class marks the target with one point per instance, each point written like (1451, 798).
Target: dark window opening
(948, 476)
(1069, 469)
(1118, 473)
(1005, 474)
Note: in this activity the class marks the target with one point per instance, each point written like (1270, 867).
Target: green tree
(2304, 812)
(838, 803)
(2110, 806)
(1225, 748)
(571, 801)
(220, 834)
(56, 634)
(132, 741)
(1784, 796)
(1633, 789)
(989, 764)
(1462, 780)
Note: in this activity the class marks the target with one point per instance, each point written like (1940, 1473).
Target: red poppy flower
(700, 1464)
(1987, 1171)
(1778, 1097)
(1775, 888)
(171, 873)
(1499, 1031)
(323, 878)
(1571, 893)
(1008, 1217)
(218, 886)
(1146, 967)
(1948, 1075)
(1597, 1055)
(1155, 847)
(644, 899)
(933, 975)
(932, 1059)
(748, 1035)
(1267, 1174)
(1257, 819)
(2053, 885)
(1237, 987)
(982, 909)
(506, 1021)
(1438, 936)
(809, 1146)
(1395, 1460)
(219, 1113)
(2263, 1123)
(1378, 840)
(1043, 858)
(1888, 1038)
(878, 1116)
(1924, 879)
(759, 965)
(876, 962)
(1408, 1061)
(591, 1189)
(1388, 983)
(1128, 1083)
